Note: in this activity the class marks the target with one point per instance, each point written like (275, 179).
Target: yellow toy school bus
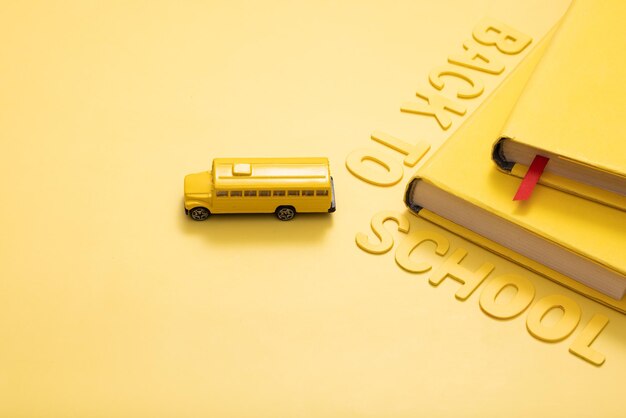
(283, 186)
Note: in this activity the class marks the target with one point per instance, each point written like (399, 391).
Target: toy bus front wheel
(285, 213)
(199, 213)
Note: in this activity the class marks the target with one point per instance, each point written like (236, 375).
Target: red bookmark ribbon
(531, 178)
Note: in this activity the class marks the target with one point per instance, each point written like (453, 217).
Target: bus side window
(235, 193)
(279, 192)
(307, 193)
(264, 193)
(293, 192)
(321, 192)
(249, 193)
(221, 193)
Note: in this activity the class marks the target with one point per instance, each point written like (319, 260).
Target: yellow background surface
(113, 303)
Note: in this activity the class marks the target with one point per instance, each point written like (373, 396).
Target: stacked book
(569, 109)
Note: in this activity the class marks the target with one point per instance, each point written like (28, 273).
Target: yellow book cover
(572, 109)
(573, 241)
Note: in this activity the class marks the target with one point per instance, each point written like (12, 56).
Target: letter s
(385, 237)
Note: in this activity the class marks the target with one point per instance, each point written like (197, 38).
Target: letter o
(562, 329)
(523, 297)
(390, 174)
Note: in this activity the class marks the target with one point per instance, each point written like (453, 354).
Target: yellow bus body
(261, 185)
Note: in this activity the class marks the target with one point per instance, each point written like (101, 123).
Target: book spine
(497, 154)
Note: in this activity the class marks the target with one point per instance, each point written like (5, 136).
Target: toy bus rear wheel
(199, 213)
(285, 213)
